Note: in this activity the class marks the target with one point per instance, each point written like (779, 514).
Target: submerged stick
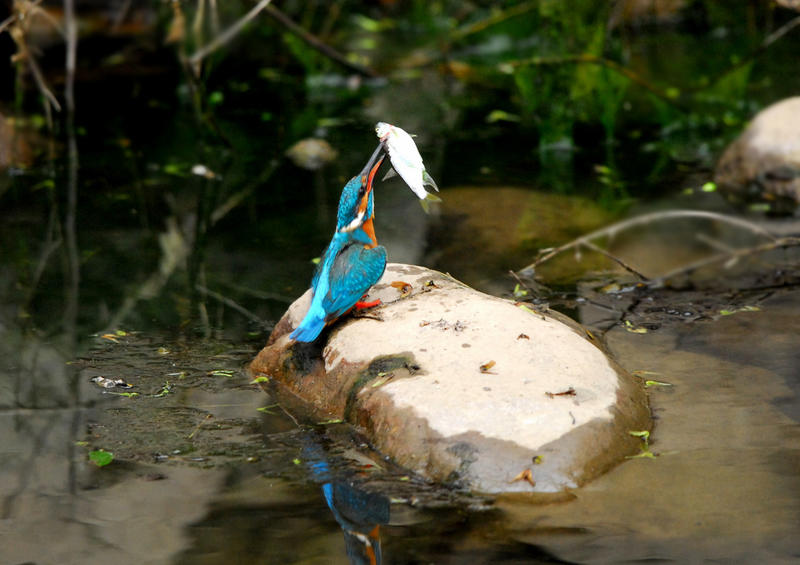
(783, 242)
(612, 230)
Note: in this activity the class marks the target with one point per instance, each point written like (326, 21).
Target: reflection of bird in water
(353, 261)
(358, 512)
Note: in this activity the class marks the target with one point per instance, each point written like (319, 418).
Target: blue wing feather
(347, 271)
(354, 271)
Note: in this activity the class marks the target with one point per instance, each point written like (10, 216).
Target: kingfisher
(353, 261)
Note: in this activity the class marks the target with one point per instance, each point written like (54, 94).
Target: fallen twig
(783, 242)
(613, 229)
(230, 303)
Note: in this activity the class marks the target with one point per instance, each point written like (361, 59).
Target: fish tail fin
(426, 202)
(311, 326)
(428, 179)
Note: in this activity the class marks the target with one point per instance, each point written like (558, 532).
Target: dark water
(118, 261)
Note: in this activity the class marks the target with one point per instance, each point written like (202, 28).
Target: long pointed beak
(370, 167)
(371, 175)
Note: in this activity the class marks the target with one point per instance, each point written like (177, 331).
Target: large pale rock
(421, 385)
(765, 159)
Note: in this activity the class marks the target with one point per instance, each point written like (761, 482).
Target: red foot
(362, 305)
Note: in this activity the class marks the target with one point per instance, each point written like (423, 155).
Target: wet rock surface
(464, 388)
(765, 159)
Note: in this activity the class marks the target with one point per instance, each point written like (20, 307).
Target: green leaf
(125, 394)
(296, 461)
(165, 390)
(634, 330)
(331, 421)
(101, 458)
(267, 409)
(737, 310)
(261, 379)
(367, 24)
(222, 373)
(656, 383)
(644, 454)
(644, 434)
(501, 116)
(709, 187)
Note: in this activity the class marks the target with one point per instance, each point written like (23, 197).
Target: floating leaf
(331, 421)
(737, 310)
(267, 409)
(162, 351)
(101, 458)
(110, 383)
(125, 394)
(110, 337)
(644, 434)
(656, 383)
(81, 443)
(709, 187)
(222, 373)
(165, 390)
(644, 454)
(296, 461)
(634, 330)
(259, 379)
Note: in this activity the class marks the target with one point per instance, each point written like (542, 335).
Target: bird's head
(356, 204)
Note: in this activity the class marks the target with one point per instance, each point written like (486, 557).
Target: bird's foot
(363, 305)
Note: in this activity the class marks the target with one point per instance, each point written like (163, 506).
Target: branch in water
(610, 231)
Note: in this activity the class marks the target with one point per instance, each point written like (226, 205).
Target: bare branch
(645, 219)
(228, 34)
(783, 242)
(317, 44)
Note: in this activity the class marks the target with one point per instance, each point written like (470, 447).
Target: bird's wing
(355, 269)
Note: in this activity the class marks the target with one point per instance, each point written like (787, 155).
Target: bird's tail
(311, 326)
